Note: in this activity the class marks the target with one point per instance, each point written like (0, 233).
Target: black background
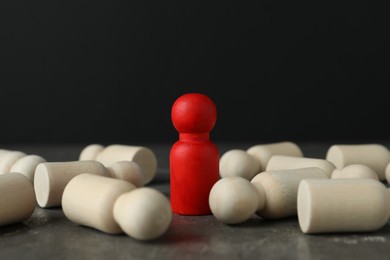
(109, 71)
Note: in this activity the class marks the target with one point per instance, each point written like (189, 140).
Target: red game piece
(194, 159)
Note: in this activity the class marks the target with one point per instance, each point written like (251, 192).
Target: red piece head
(194, 113)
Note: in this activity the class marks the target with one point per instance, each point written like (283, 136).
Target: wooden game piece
(143, 156)
(354, 171)
(27, 164)
(375, 156)
(263, 152)
(388, 173)
(90, 152)
(238, 162)
(284, 162)
(194, 158)
(234, 199)
(3, 152)
(271, 195)
(51, 177)
(17, 199)
(143, 214)
(349, 205)
(89, 199)
(16, 161)
(281, 188)
(8, 158)
(128, 171)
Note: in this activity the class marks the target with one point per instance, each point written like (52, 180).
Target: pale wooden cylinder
(128, 171)
(89, 199)
(8, 158)
(143, 156)
(375, 156)
(51, 178)
(264, 152)
(281, 188)
(284, 162)
(17, 198)
(354, 205)
(27, 165)
(143, 214)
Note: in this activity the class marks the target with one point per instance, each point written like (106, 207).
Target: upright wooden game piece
(194, 159)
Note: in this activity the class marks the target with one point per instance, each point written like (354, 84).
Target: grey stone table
(48, 234)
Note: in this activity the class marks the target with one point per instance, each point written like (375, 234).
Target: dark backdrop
(109, 71)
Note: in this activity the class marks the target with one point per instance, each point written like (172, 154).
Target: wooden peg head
(194, 113)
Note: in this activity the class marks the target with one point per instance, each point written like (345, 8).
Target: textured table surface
(48, 234)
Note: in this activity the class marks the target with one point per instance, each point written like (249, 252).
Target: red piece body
(194, 159)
